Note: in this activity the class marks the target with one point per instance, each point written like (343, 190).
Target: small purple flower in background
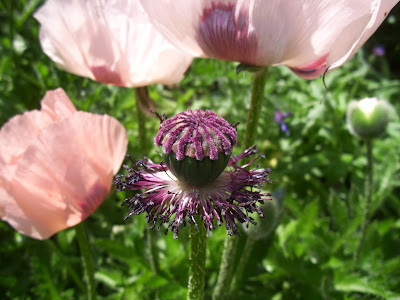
(379, 50)
(279, 118)
(196, 147)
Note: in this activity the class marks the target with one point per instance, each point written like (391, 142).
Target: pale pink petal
(295, 33)
(14, 215)
(343, 49)
(66, 26)
(105, 140)
(66, 173)
(225, 32)
(57, 105)
(312, 70)
(306, 35)
(21, 130)
(56, 165)
(298, 33)
(178, 21)
(146, 56)
(108, 41)
(74, 34)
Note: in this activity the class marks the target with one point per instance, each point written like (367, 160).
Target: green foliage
(320, 166)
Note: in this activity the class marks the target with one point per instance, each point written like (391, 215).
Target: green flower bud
(267, 224)
(368, 118)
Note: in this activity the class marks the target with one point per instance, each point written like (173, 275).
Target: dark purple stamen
(228, 199)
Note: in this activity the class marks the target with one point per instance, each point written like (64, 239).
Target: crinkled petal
(64, 35)
(11, 212)
(306, 35)
(110, 42)
(21, 130)
(57, 105)
(355, 35)
(65, 174)
(151, 58)
(297, 33)
(178, 21)
(312, 70)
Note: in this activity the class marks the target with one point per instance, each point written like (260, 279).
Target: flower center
(224, 35)
(196, 134)
(196, 145)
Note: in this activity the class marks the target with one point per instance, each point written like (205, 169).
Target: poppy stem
(244, 259)
(198, 245)
(257, 97)
(140, 101)
(226, 267)
(151, 252)
(231, 242)
(143, 105)
(367, 205)
(87, 261)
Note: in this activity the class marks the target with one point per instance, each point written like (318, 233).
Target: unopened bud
(265, 225)
(368, 118)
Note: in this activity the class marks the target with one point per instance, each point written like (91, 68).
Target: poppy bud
(265, 225)
(368, 118)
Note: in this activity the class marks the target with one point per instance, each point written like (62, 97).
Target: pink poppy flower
(308, 36)
(192, 180)
(110, 42)
(56, 165)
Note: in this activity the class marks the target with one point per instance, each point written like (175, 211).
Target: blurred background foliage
(318, 173)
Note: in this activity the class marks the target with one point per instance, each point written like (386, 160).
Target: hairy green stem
(257, 97)
(140, 101)
(231, 242)
(86, 261)
(244, 259)
(226, 267)
(198, 245)
(367, 206)
(151, 252)
(143, 106)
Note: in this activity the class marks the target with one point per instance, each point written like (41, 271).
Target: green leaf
(353, 283)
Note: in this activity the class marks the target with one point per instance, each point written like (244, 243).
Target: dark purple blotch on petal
(105, 75)
(223, 33)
